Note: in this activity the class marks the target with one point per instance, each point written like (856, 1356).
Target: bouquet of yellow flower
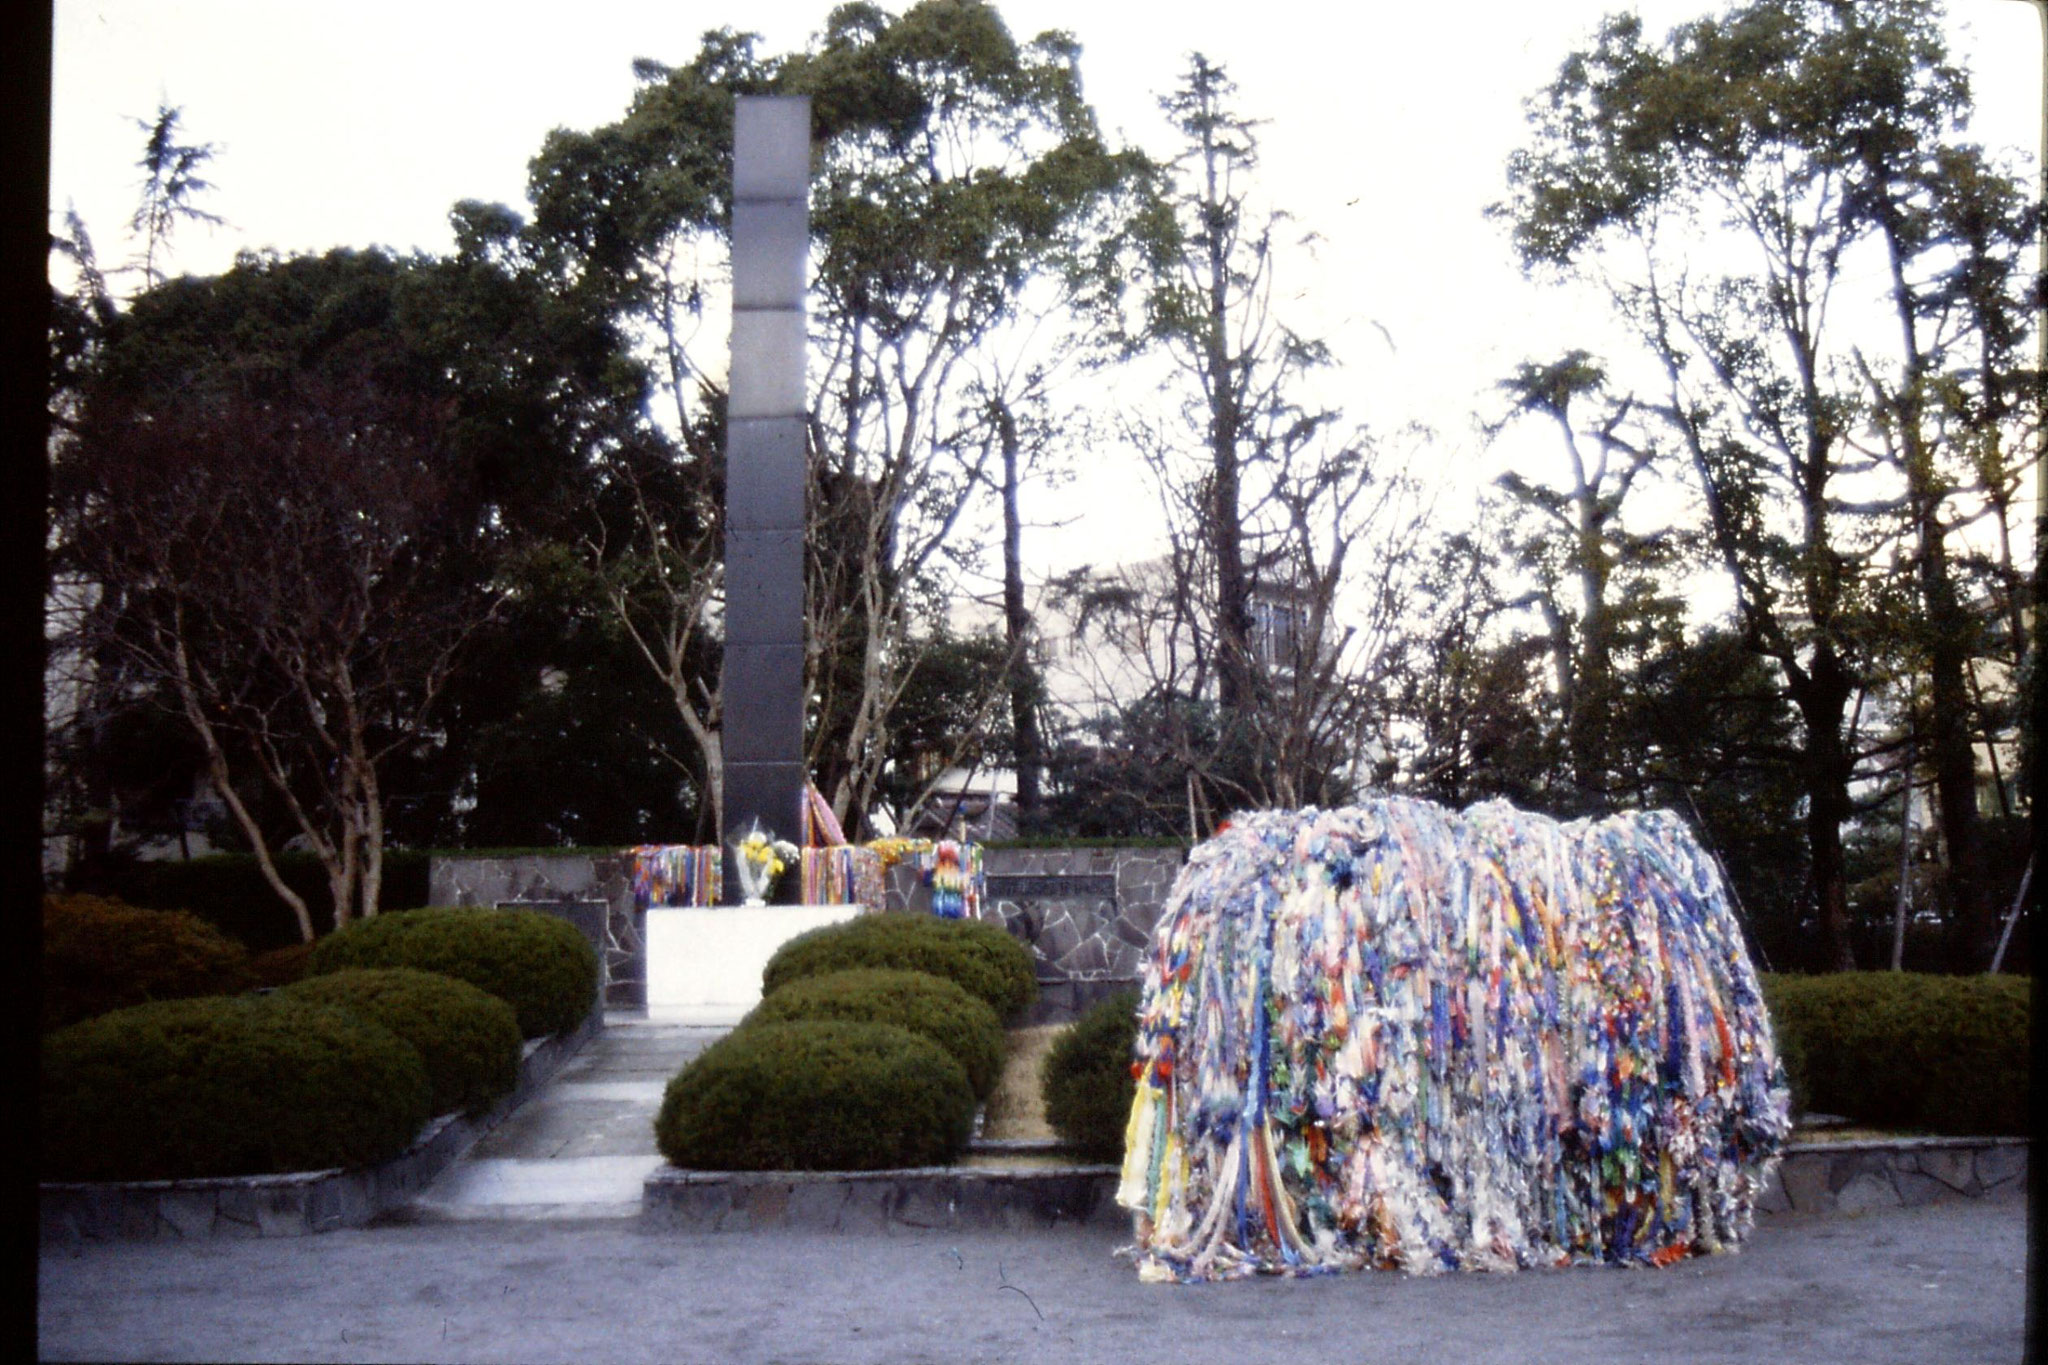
(762, 860)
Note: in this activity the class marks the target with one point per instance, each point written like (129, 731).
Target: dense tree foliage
(1733, 187)
(954, 165)
(427, 550)
(291, 499)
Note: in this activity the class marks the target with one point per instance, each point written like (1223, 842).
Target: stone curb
(871, 1201)
(1845, 1177)
(1853, 1177)
(294, 1203)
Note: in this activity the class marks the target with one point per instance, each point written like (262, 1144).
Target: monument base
(704, 964)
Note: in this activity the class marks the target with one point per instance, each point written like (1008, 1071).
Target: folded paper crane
(1397, 1036)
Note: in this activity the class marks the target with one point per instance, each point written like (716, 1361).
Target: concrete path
(1943, 1283)
(582, 1147)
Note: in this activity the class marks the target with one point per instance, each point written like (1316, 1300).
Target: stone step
(591, 1186)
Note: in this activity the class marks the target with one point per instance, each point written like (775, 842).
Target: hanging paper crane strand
(1396, 1036)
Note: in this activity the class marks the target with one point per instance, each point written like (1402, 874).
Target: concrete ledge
(983, 1146)
(294, 1203)
(871, 1201)
(1852, 1177)
(1841, 1177)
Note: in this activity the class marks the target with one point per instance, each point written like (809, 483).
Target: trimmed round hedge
(1086, 1077)
(929, 1006)
(468, 1038)
(981, 958)
(536, 963)
(1939, 1054)
(276, 967)
(226, 1085)
(816, 1095)
(101, 954)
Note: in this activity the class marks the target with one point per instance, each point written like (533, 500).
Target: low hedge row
(1905, 1050)
(537, 963)
(981, 958)
(928, 1006)
(100, 954)
(230, 892)
(1939, 1054)
(397, 1018)
(467, 1038)
(1086, 1077)
(816, 1095)
(226, 1085)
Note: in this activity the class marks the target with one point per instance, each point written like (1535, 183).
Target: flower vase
(753, 879)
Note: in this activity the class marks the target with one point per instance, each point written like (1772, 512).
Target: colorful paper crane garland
(1397, 1036)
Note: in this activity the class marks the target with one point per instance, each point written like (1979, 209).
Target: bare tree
(664, 583)
(279, 572)
(1580, 537)
(1338, 531)
(1287, 532)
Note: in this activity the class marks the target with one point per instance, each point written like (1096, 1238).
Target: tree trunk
(1821, 694)
(1030, 745)
(1973, 921)
(217, 769)
(370, 888)
(1904, 905)
(1226, 420)
(1593, 697)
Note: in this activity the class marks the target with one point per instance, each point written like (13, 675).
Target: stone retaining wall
(594, 892)
(294, 1203)
(1087, 913)
(1851, 1177)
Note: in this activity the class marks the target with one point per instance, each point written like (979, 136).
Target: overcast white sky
(1387, 130)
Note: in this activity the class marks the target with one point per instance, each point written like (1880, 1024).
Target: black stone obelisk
(762, 687)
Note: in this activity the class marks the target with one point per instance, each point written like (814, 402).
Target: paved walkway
(584, 1144)
(1940, 1283)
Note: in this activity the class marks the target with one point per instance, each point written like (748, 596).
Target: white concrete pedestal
(704, 965)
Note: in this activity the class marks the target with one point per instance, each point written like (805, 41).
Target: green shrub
(101, 955)
(537, 963)
(276, 967)
(1087, 1081)
(226, 1085)
(468, 1038)
(1940, 1054)
(816, 1095)
(927, 1005)
(981, 958)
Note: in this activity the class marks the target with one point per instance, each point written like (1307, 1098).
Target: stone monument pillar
(765, 475)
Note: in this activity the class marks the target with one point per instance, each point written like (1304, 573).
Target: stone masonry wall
(594, 893)
(1087, 913)
(1854, 1177)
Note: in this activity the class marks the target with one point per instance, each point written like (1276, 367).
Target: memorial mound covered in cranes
(1396, 1036)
